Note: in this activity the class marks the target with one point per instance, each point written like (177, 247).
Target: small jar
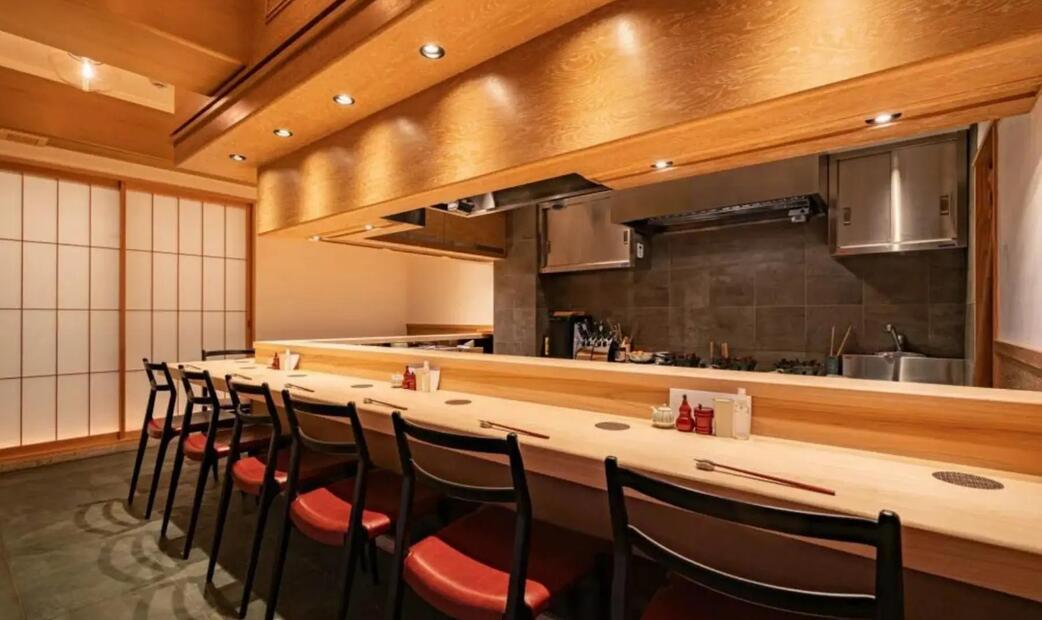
(704, 420)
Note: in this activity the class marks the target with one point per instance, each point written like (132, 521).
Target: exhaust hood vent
(557, 188)
(792, 189)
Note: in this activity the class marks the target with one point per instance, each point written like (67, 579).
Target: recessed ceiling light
(236, 157)
(662, 164)
(884, 118)
(432, 51)
(282, 133)
(344, 99)
(315, 238)
(369, 226)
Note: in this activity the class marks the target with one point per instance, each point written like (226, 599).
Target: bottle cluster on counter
(418, 378)
(724, 415)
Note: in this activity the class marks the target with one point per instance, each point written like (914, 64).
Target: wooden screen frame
(985, 260)
(125, 436)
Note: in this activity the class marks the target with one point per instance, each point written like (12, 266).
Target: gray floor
(70, 548)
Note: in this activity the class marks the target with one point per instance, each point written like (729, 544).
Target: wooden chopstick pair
(298, 387)
(373, 401)
(707, 465)
(513, 429)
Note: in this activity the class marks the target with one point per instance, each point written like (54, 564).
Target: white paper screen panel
(59, 314)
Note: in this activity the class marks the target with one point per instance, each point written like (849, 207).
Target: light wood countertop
(1001, 526)
(377, 340)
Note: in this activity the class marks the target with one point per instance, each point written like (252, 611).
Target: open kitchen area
(574, 310)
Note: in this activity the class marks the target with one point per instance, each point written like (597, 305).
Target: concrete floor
(70, 548)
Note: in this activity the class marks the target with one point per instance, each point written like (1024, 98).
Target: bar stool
(262, 476)
(164, 430)
(701, 591)
(365, 505)
(205, 442)
(491, 563)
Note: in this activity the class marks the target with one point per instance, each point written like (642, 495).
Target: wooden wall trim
(423, 329)
(42, 452)
(1028, 357)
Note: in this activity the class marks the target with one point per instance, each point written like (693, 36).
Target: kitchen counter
(990, 538)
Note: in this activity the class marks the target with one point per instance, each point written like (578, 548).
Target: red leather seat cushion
(685, 600)
(252, 438)
(155, 426)
(463, 570)
(323, 514)
(248, 473)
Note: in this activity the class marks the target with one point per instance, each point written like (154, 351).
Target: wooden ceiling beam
(640, 80)
(195, 46)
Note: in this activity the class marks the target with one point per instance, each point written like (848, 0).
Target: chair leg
(216, 480)
(371, 547)
(222, 514)
(280, 563)
(175, 475)
(352, 554)
(209, 461)
(156, 475)
(267, 495)
(142, 444)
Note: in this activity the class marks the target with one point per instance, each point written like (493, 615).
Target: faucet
(899, 339)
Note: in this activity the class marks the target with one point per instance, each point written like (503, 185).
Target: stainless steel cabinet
(900, 197)
(578, 235)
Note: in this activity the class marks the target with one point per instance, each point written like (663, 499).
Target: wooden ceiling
(243, 67)
(708, 85)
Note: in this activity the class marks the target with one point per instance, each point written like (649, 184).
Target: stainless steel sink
(945, 370)
(904, 366)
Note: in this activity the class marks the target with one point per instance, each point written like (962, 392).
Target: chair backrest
(517, 493)
(225, 353)
(245, 417)
(301, 440)
(159, 380)
(883, 534)
(204, 399)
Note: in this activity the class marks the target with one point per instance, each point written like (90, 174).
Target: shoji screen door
(59, 309)
(186, 283)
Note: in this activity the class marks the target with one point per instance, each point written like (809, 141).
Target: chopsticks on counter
(707, 465)
(503, 427)
(373, 401)
(242, 376)
(294, 386)
(192, 366)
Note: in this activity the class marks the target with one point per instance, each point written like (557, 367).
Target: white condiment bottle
(743, 414)
(423, 378)
(723, 417)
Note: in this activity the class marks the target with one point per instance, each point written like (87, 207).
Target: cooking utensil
(503, 427)
(832, 341)
(373, 401)
(843, 343)
(707, 465)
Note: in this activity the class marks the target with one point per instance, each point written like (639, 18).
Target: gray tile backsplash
(769, 290)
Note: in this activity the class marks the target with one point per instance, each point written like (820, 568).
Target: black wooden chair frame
(884, 535)
(517, 494)
(360, 468)
(204, 402)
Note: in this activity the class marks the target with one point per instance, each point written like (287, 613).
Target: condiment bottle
(684, 422)
(743, 414)
(704, 420)
(409, 379)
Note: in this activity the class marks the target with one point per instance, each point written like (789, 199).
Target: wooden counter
(988, 538)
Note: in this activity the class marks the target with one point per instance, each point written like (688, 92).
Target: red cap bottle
(685, 423)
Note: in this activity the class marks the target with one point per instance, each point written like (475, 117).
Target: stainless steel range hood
(792, 189)
(547, 190)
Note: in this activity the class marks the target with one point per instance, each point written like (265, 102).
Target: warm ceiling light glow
(282, 133)
(884, 118)
(344, 99)
(662, 164)
(432, 51)
(237, 157)
(315, 238)
(369, 227)
(87, 69)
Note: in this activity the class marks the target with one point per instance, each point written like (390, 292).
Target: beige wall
(445, 290)
(321, 290)
(1020, 229)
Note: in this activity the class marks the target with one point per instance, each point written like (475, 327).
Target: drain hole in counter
(612, 426)
(359, 386)
(457, 401)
